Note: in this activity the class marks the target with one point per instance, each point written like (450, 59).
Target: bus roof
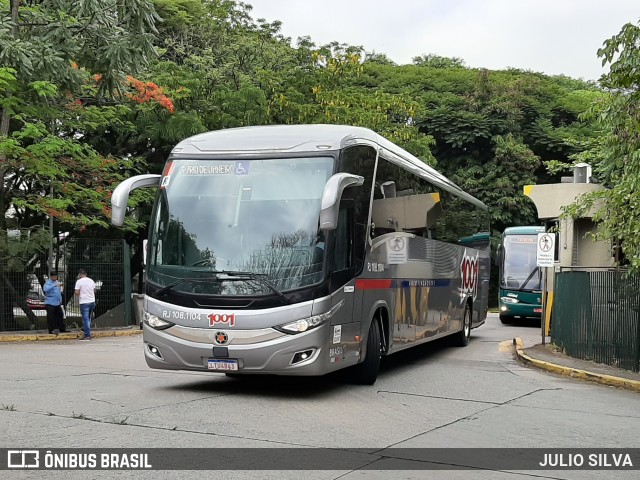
(476, 237)
(524, 230)
(279, 139)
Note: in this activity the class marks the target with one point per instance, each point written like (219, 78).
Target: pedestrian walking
(85, 290)
(53, 304)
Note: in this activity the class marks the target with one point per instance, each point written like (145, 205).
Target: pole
(50, 262)
(544, 305)
(127, 283)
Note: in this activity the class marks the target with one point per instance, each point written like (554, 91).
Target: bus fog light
(302, 356)
(503, 308)
(153, 350)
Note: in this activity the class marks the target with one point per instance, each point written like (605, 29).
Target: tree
(616, 154)
(437, 61)
(50, 102)
(48, 48)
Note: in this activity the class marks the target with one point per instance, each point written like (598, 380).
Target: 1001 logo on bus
(469, 269)
(217, 318)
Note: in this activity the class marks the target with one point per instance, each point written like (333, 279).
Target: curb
(609, 380)
(46, 337)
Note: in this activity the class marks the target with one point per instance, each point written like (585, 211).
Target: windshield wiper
(166, 288)
(230, 273)
(523, 286)
(259, 277)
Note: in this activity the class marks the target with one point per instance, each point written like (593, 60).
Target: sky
(556, 37)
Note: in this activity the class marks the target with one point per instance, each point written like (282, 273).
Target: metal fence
(596, 316)
(106, 262)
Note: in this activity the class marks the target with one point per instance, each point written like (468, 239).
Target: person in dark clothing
(53, 304)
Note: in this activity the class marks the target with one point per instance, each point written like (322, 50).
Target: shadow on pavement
(275, 386)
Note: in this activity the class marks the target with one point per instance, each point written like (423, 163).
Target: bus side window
(359, 160)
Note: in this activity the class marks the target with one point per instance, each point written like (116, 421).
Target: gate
(596, 316)
(106, 263)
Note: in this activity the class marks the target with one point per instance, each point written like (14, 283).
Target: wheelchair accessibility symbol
(242, 168)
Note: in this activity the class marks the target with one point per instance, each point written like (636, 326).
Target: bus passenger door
(342, 268)
(344, 349)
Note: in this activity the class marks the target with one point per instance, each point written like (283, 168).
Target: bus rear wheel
(366, 372)
(463, 336)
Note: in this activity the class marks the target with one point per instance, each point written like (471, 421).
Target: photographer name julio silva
(591, 460)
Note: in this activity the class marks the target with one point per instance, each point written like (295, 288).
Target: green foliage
(490, 131)
(21, 246)
(52, 104)
(616, 153)
(74, 176)
(437, 61)
(499, 182)
(109, 37)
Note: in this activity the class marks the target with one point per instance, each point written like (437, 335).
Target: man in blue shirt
(53, 304)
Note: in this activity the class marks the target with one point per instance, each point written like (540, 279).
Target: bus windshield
(520, 271)
(239, 227)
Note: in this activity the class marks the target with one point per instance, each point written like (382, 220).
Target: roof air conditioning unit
(582, 173)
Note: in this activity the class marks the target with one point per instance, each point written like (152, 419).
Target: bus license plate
(537, 310)
(222, 365)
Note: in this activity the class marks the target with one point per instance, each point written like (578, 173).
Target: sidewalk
(547, 357)
(44, 335)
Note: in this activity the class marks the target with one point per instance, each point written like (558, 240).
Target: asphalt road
(101, 394)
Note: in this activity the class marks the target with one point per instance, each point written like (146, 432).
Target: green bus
(520, 287)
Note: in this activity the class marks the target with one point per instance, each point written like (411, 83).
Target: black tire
(461, 339)
(366, 372)
(506, 319)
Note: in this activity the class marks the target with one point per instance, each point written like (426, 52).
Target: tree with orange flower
(48, 111)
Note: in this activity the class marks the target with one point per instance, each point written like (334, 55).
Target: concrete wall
(576, 246)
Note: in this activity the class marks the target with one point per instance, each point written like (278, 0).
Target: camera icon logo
(23, 459)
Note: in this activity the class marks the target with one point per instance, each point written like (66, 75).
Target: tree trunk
(16, 298)
(5, 285)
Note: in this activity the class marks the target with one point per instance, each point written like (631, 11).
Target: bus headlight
(309, 323)
(155, 322)
(508, 300)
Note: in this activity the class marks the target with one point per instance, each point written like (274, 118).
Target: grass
(8, 408)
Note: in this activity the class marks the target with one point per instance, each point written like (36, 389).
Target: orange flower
(148, 92)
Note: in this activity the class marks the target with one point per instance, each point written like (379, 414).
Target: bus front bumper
(277, 353)
(521, 310)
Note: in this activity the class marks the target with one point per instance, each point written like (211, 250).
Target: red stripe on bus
(371, 284)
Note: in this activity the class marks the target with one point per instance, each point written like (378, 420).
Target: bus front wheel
(366, 373)
(506, 319)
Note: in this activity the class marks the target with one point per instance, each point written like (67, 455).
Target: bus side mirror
(499, 255)
(120, 196)
(331, 196)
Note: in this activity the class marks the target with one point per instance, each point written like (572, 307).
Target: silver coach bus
(300, 250)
